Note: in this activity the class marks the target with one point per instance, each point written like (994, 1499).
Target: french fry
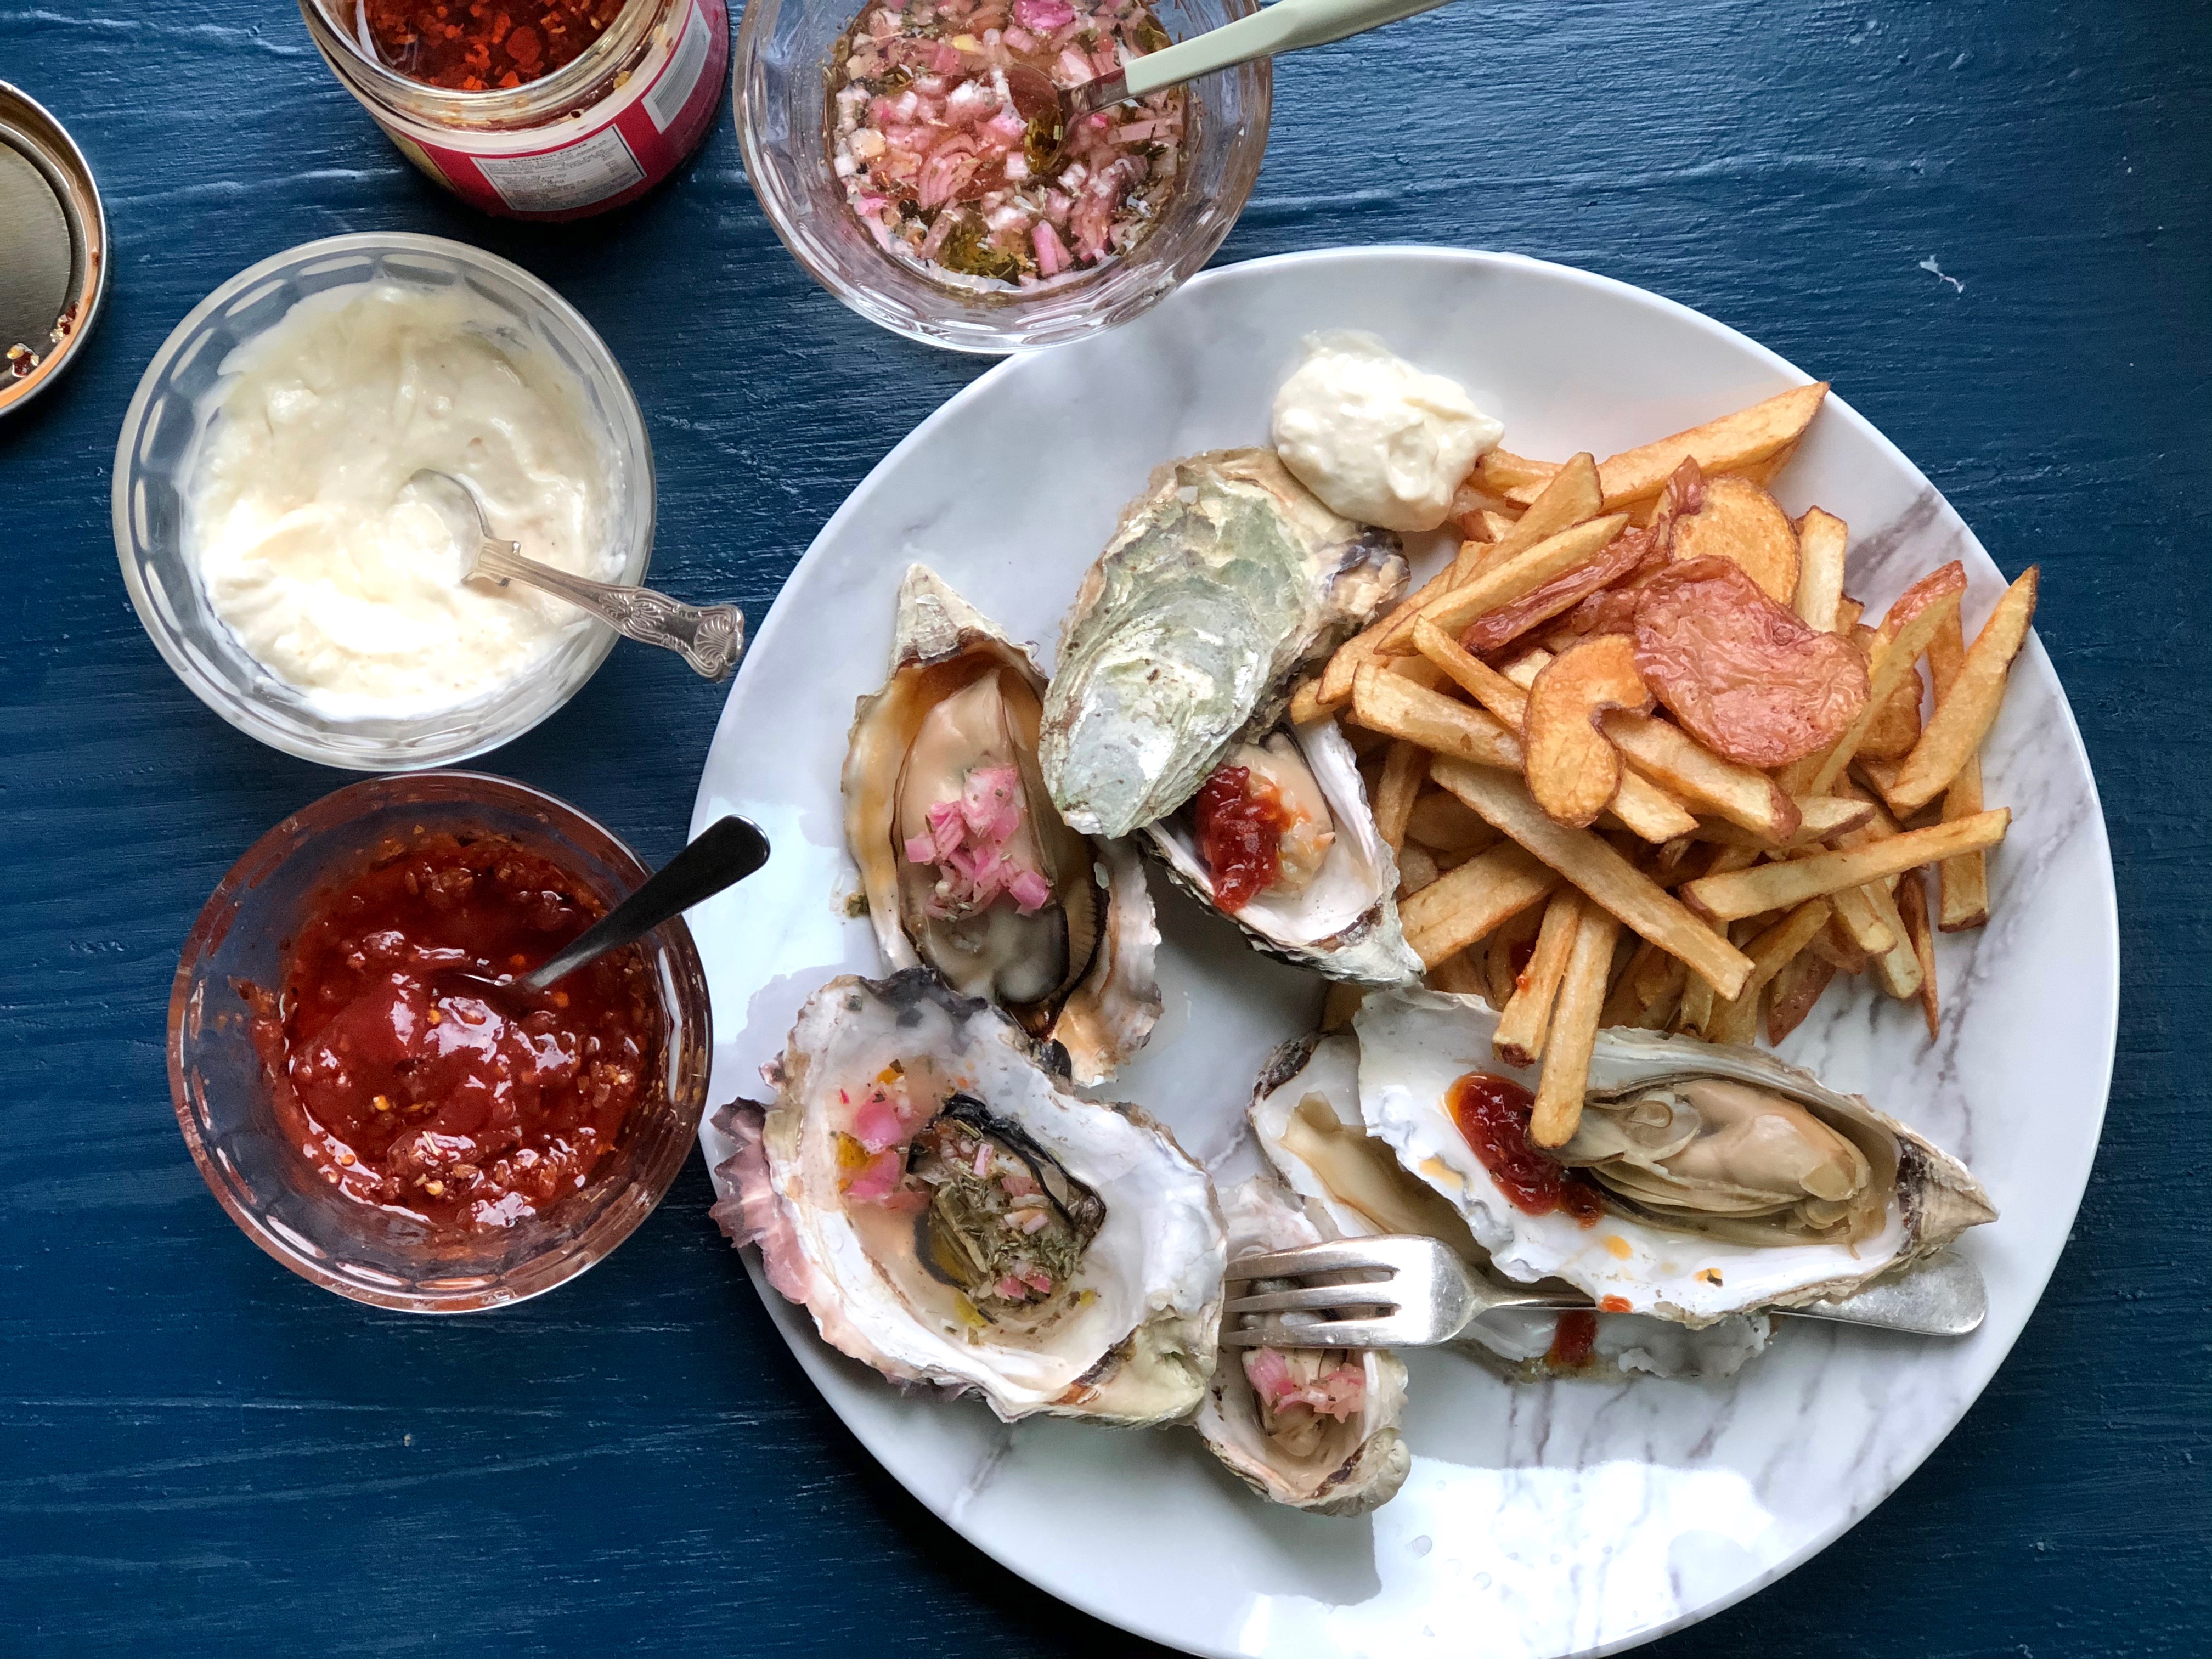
(1387, 703)
(1570, 495)
(1821, 539)
(1491, 528)
(1499, 695)
(1820, 818)
(1896, 970)
(1519, 1038)
(1508, 579)
(1572, 766)
(1442, 823)
(1416, 868)
(1764, 473)
(1507, 952)
(1918, 614)
(1836, 946)
(1731, 444)
(1963, 719)
(1306, 706)
(1912, 907)
(1454, 910)
(1462, 975)
(1962, 884)
(1340, 1004)
(1771, 950)
(1503, 473)
(1624, 1002)
(1575, 1013)
(1794, 990)
(1895, 727)
(1862, 926)
(1685, 768)
(1592, 865)
(1773, 886)
(1404, 772)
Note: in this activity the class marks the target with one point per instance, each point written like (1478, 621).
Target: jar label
(617, 150)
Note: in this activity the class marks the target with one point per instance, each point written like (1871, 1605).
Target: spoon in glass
(710, 637)
(726, 853)
(1053, 111)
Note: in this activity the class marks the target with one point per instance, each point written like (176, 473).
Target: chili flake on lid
(485, 45)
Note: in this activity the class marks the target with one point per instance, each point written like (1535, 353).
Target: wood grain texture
(203, 1455)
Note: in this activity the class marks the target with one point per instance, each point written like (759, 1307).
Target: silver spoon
(726, 853)
(710, 637)
(1285, 26)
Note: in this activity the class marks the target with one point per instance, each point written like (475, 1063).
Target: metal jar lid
(53, 258)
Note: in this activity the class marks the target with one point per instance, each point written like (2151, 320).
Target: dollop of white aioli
(336, 575)
(1375, 438)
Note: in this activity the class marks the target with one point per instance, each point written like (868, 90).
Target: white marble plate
(1565, 1518)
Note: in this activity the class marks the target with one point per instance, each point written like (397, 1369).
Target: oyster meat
(950, 1214)
(1314, 1428)
(965, 863)
(1726, 1179)
(1221, 585)
(1306, 1116)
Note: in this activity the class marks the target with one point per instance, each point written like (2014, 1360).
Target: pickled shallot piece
(1743, 674)
(944, 170)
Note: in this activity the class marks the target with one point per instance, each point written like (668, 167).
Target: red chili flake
(1240, 821)
(1492, 1113)
(475, 45)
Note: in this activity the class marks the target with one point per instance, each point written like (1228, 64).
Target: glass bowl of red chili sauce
(384, 1127)
(897, 169)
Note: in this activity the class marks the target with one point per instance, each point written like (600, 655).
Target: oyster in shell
(1332, 907)
(1315, 1429)
(1220, 586)
(950, 1214)
(965, 863)
(1306, 1116)
(1730, 1179)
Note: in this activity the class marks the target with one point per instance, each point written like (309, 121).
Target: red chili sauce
(1240, 822)
(409, 1092)
(1492, 1113)
(1574, 1339)
(485, 45)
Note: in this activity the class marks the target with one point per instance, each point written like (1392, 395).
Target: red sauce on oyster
(1492, 1112)
(1240, 820)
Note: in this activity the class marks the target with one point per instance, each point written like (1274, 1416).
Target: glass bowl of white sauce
(275, 553)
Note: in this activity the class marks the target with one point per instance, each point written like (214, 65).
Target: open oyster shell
(1674, 1242)
(1344, 1456)
(889, 1186)
(1342, 920)
(1306, 1116)
(1223, 584)
(962, 701)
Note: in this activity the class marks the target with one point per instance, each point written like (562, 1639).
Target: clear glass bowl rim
(692, 1013)
(237, 712)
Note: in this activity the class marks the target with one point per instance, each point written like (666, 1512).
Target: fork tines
(1397, 1254)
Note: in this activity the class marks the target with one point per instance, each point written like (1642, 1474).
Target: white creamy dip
(1375, 438)
(332, 572)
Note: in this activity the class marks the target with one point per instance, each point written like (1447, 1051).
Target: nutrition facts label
(666, 102)
(589, 171)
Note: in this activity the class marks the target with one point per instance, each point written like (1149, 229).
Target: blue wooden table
(1988, 223)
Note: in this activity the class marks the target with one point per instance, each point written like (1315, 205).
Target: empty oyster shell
(1306, 1116)
(951, 737)
(1731, 1180)
(1315, 1429)
(950, 1214)
(1220, 586)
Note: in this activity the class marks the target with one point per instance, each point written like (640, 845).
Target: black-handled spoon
(726, 853)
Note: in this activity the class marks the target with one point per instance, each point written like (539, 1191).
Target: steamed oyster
(1306, 1116)
(965, 863)
(1725, 1179)
(1314, 1428)
(949, 1214)
(1220, 585)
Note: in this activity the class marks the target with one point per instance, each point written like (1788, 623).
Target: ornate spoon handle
(710, 637)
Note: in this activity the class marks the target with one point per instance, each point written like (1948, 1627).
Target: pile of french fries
(1575, 856)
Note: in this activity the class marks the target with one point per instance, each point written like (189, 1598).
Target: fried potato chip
(1744, 676)
(1740, 522)
(1573, 768)
(1509, 579)
(1495, 630)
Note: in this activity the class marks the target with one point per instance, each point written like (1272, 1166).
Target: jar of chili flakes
(533, 109)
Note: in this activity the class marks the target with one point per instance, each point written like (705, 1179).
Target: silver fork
(1427, 1295)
